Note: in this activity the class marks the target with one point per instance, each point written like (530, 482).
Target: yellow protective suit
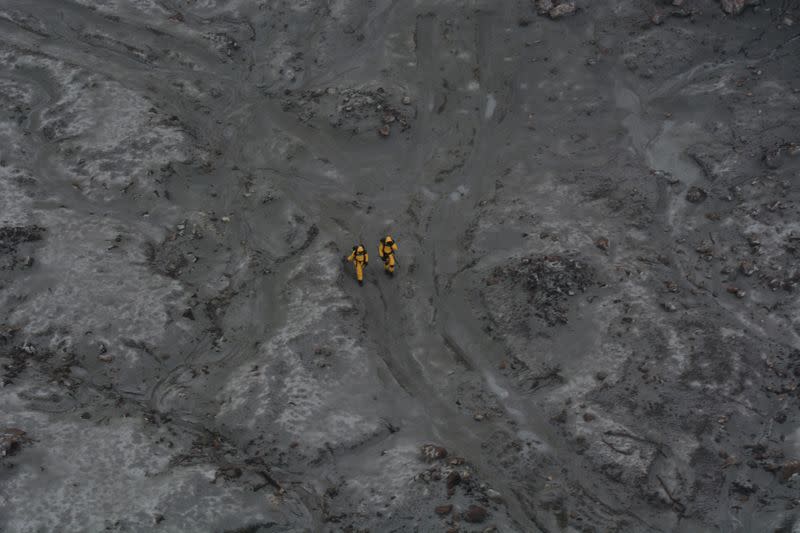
(359, 258)
(386, 250)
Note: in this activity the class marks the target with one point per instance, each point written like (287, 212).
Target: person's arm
(351, 257)
(366, 258)
(394, 246)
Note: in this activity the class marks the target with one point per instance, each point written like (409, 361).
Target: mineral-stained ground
(594, 326)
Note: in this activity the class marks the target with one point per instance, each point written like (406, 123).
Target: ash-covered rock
(735, 7)
(351, 109)
(475, 514)
(433, 452)
(456, 479)
(550, 281)
(11, 441)
(12, 236)
(555, 8)
(358, 105)
(696, 195)
(224, 43)
(305, 104)
(777, 156)
(18, 356)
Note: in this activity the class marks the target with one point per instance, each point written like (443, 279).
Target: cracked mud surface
(594, 322)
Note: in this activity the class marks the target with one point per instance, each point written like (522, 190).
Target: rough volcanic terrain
(595, 321)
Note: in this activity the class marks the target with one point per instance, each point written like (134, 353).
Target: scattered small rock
(729, 460)
(443, 510)
(705, 248)
(657, 18)
(588, 417)
(667, 176)
(696, 195)
(11, 236)
(775, 157)
(228, 473)
(555, 8)
(747, 268)
(753, 240)
(789, 469)
(432, 452)
(478, 417)
(601, 376)
(672, 287)
(494, 495)
(735, 7)
(567, 8)
(105, 358)
(549, 280)
(453, 479)
(669, 307)
(475, 514)
(406, 100)
(562, 9)
(744, 486)
(384, 130)
(11, 441)
(736, 292)
(602, 243)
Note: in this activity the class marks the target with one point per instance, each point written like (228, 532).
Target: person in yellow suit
(386, 250)
(360, 259)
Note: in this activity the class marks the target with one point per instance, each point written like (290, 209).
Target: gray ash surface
(593, 325)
